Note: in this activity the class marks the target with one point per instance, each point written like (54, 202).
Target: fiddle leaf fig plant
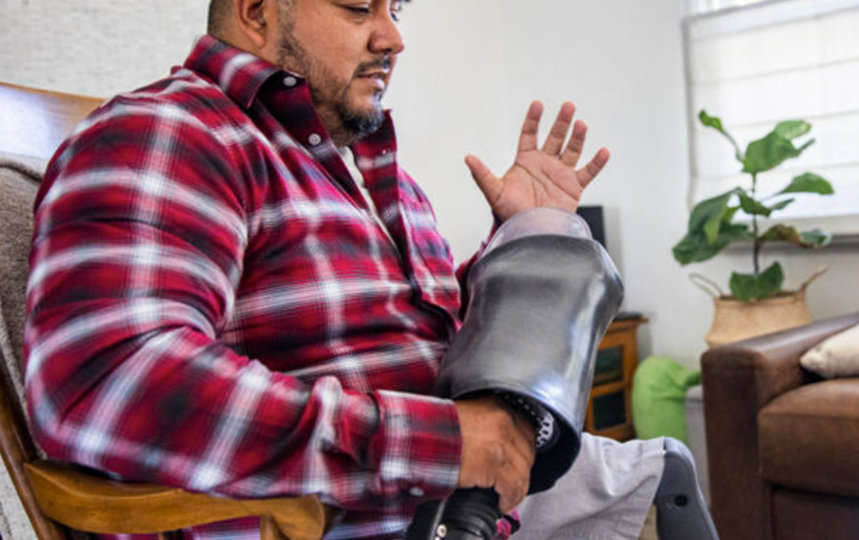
(714, 223)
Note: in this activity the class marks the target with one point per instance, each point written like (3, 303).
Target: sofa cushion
(835, 356)
(809, 438)
(18, 185)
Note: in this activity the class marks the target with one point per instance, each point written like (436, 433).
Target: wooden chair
(59, 497)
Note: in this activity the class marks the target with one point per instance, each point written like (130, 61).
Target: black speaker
(593, 216)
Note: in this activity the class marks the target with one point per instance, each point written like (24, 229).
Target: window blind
(759, 64)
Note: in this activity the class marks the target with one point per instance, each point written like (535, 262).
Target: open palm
(544, 176)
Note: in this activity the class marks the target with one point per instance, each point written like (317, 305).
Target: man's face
(346, 49)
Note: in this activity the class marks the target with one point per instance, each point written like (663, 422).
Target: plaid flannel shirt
(212, 305)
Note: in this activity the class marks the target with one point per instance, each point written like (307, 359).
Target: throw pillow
(836, 356)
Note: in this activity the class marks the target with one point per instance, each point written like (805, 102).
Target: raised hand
(541, 176)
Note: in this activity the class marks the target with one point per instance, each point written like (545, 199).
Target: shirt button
(290, 81)
(415, 491)
(314, 139)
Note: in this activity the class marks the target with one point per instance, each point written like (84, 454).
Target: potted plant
(757, 303)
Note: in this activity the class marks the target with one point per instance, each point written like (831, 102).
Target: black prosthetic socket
(539, 304)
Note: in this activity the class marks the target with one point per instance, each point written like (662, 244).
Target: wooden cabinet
(609, 405)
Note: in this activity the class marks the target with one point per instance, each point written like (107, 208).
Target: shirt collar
(239, 73)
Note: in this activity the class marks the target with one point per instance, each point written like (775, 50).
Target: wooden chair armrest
(88, 503)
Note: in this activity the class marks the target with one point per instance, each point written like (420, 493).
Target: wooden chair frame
(59, 496)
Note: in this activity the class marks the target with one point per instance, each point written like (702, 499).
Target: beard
(330, 95)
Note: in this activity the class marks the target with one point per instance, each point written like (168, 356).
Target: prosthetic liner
(540, 299)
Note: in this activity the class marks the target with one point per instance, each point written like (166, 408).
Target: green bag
(658, 397)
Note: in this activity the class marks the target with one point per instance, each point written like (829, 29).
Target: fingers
(488, 183)
(558, 133)
(524, 440)
(593, 168)
(573, 151)
(514, 480)
(571, 154)
(528, 137)
(527, 442)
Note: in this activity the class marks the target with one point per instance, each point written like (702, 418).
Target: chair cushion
(809, 438)
(18, 185)
(835, 356)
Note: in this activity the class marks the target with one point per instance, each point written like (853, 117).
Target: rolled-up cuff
(417, 450)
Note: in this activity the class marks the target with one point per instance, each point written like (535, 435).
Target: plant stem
(757, 245)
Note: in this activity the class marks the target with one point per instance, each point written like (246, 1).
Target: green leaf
(711, 121)
(707, 216)
(732, 233)
(791, 129)
(807, 143)
(753, 207)
(768, 153)
(729, 213)
(749, 287)
(808, 183)
(814, 238)
(782, 233)
(694, 247)
(716, 123)
(781, 204)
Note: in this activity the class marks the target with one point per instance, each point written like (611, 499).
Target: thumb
(488, 183)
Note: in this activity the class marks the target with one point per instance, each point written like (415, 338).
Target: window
(755, 63)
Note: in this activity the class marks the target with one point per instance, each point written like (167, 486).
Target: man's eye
(359, 10)
(395, 15)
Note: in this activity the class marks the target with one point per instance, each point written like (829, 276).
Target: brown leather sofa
(783, 444)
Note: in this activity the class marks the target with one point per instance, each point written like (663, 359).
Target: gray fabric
(18, 185)
(605, 495)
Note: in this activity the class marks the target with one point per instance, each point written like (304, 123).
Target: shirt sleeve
(140, 231)
(465, 267)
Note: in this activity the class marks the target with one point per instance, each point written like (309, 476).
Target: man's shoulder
(185, 99)
(184, 113)
(182, 118)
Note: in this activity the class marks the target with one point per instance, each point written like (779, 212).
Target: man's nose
(387, 37)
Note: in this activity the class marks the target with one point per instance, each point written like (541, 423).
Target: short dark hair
(219, 11)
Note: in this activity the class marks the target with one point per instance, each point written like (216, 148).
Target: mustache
(382, 63)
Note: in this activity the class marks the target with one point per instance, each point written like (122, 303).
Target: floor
(648, 532)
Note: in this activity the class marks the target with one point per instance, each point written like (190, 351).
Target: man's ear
(256, 20)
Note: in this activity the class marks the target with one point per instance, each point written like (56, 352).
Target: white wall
(468, 73)
(95, 47)
(470, 69)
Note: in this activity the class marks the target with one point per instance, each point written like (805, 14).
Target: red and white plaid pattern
(212, 305)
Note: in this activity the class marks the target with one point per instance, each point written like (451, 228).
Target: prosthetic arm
(540, 300)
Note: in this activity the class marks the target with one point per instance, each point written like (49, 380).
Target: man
(215, 304)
